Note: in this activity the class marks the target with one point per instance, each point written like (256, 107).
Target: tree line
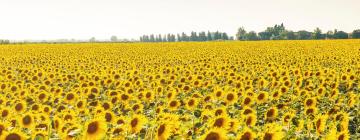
(4, 41)
(279, 32)
(276, 32)
(194, 36)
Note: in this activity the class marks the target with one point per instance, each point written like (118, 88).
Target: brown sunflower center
(93, 127)
(268, 136)
(286, 119)
(247, 111)
(309, 102)
(134, 122)
(106, 106)
(261, 96)
(70, 96)
(19, 107)
(108, 117)
(270, 113)
(13, 136)
(161, 130)
(148, 95)
(246, 136)
(212, 136)
(117, 131)
(42, 96)
(249, 121)
(4, 113)
(318, 123)
(120, 122)
(1, 129)
(341, 137)
(124, 97)
(218, 112)
(309, 111)
(191, 102)
(26, 120)
(219, 122)
(173, 103)
(247, 101)
(230, 97)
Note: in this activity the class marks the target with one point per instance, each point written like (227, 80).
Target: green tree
(317, 34)
(202, 36)
(341, 35)
(356, 33)
(92, 39)
(209, 36)
(251, 36)
(225, 36)
(265, 35)
(303, 35)
(241, 34)
(152, 38)
(113, 38)
(290, 35)
(329, 35)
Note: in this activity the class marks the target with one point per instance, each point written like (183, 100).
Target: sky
(83, 19)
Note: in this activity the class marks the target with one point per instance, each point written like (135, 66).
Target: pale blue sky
(82, 19)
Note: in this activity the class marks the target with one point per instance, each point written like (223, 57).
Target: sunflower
(230, 98)
(163, 131)
(214, 134)
(173, 105)
(207, 98)
(271, 114)
(57, 123)
(109, 116)
(250, 120)
(218, 94)
(246, 134)
(137, 108)
(5, 112)
(125, 97)
(80, 104)
(272, 132)
(3, 127)
(27, 120)
(70, 98)
(95, 129)
(310, 111)
(343, 118)
(331, 135)
(247, 101)
(248, 110)
(287, 117)
(120, 121)
(136, 123)
(221, 111)
(117, 133)
(19, 107)
(262, 97)
(191, 104)
(40, 135)
(220, 122)
(42, 97)
(149, 96)
(276, 94)
(233, 125)
(320, 123)
(72, 132)
(14, 134)
(344, 135)
(310, 102)
(299, 124)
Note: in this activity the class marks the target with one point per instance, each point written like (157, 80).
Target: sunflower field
(262, 90)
